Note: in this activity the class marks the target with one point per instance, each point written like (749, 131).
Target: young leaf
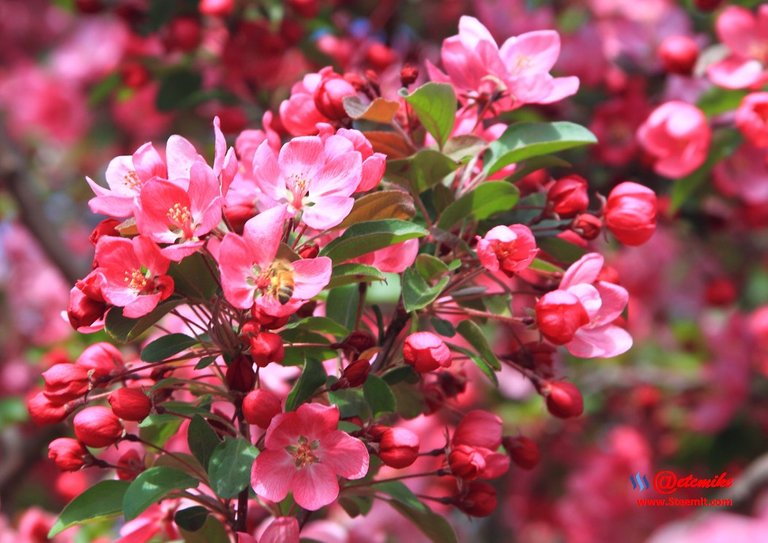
(435, 105)
(347, 274)
(422, 171)
(202, 440)
(400, 493)
(230, 466)
(474, 335)
(390, 143)
(384, 204)
(159, 428)
(341, 305)
(150, 486)
(311, 378)
(380, 110)
(522, 141)
(123, 329)
(479, 362)
(351, 402)
(430, 267)
(191, 518)
(192, 277)
(102, 499)
(365, 237)
(486, 200)
(379, 396)
(166, 346)
(417, 293)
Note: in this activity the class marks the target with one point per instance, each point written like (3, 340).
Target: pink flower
(312, 101)
(743, 174)
(518, 71)
(426, 352)
(168, 213)
(752, 118)
(677, 136)
(474, 445)
(312, 179)
(393, 259)
(304, 454)
(133, 274)
(746, 36)
(600, 302)
(250, 272)
(280, 530)
(373, 163)
(507, 248)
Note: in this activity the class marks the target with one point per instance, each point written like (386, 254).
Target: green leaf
(464, 146)
(486, 200)
(347, 274)
(341, 305)
(560, 250)
(435, 105)
(422, 171)
(123, 329)
(204, 362)
(522, 141)
(717, 101)
(379, 396)
(323, 325)
(432, 525)
(401, 373)
(212, 531)
(544, 266)
(430, 267)
(383, 204)
(311, 378)
(474, 335)
(354, 506)
(230, 466)
(417, 293)
(351, 402)
(12, 411)
(296, 355)
(166, 346)
(479, 362)
(192, 277)
(369, 236)
(443, 327)
(537, 163)
(150, 486)
(202, 440)
(101, 500)
(177, 88)
(191, 518)
(158, 429)
(103, 89)
(400, 493)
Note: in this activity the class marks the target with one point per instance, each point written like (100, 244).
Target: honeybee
(281, 281)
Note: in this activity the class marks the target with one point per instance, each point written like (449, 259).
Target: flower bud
(398, 447)
(65, 382)
(97, 426)
(129, 465)
(260, 406)
(83, 311)
(587, 226)
(183, 34)
(44, 411)
(329, 96)
(568, 196)
(507, 248)
(102, 359)
(379, 56)
(477, 500)
(355, 373)
(68, 454)
(721, 292)
(678, 54)
(134, 75)
(358, 341)
(425, 351)
(751, 118)
(563, 399)
(408, 74)
(104, 228)
(216, 8)
(267, 347)
(523, 451)
(130, 404)
(309, 250)
(240, 375)
(630, 213)
(466, 462)
(479, 428)
(559, 314)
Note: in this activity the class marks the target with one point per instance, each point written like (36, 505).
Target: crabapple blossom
(97, 426)
(678, 54)
(68, 454)
(568, 196)
(744, 34)
(563, 399)
(311, 99)
(752, 118)
(65, 382)
(510, 249)
(130, 404)
(426, 352)
(630, 213)
(260, 406)
(398, 447)
(304, 454)
(473, 447)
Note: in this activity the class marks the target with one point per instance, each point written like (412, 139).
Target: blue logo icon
(639, 483)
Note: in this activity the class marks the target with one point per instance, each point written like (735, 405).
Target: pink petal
(273, 471)
(479, 428)
(147, 163)
(338, 177)
(310, 276)
(281, 530)
(735, 72)
(344, 454)
(262, 233)
(149, 255)
(219, 145)
(317, 419)
(372, 172)
(603, 342)
(180, 155)
(472, 31)
(284, 431)
(589, 298)
(496, 465)
(736, 29)
(121, 176)
(235, 262)
(314, 487)
(562, 87)
(532, 52)
(301, 157)
(142, 305)
(327, 211)
(267, 175)
(584, 270)
(614, 300)
(180, 251)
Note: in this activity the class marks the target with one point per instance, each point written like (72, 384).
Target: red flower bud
(379, 56)
(563, 399)
(479, 428)
(305, 8)
(559, 314)
(425, 351)
(587, 226)
(466, 462)
(249, 329)
(84, 309)
(129, 465)
(104, 228)
(707, 5)
(65, 382)
(183, 34)
(102, 359)
(268, 322)
(408, 74)
(216, 8)
(134, 75)
(309, 250)
(523, 451)
(329, 96)
(478, 499)
(44, 411)
(630, 213)
(720, 292)
(267, 347)
(260, 407)
(130, 404)
(568, 196)
(358, 341)
(355, 373)
(398, 447)
(678, 54)
(97, 426)
(240, 375)
(68, 454)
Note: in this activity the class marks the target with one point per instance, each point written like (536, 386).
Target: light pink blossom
(746, 36)
(305, 454)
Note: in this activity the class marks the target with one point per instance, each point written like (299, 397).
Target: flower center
(303, 454)
(276, 281)
(131, 180)
(181, 217)
(136, 280)
(296, 191)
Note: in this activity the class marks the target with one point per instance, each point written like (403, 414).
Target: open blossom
(304, 454)
(132, 273)
(373, 163)
(170, 214)
(507, 248)
(250, 271)
(677, 136)
(311, 179)
(518, 71)
(746, 37)
(580, 314)
(752, 118)
(474, 447)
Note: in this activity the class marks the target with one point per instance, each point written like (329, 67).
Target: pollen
(179, 214)
(136, 280)
(131, 180)
(303, 454)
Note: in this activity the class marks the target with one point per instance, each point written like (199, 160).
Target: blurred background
(82, 81)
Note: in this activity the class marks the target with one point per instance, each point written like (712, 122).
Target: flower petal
(272, 474)
(344, 454)
(314, 486)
